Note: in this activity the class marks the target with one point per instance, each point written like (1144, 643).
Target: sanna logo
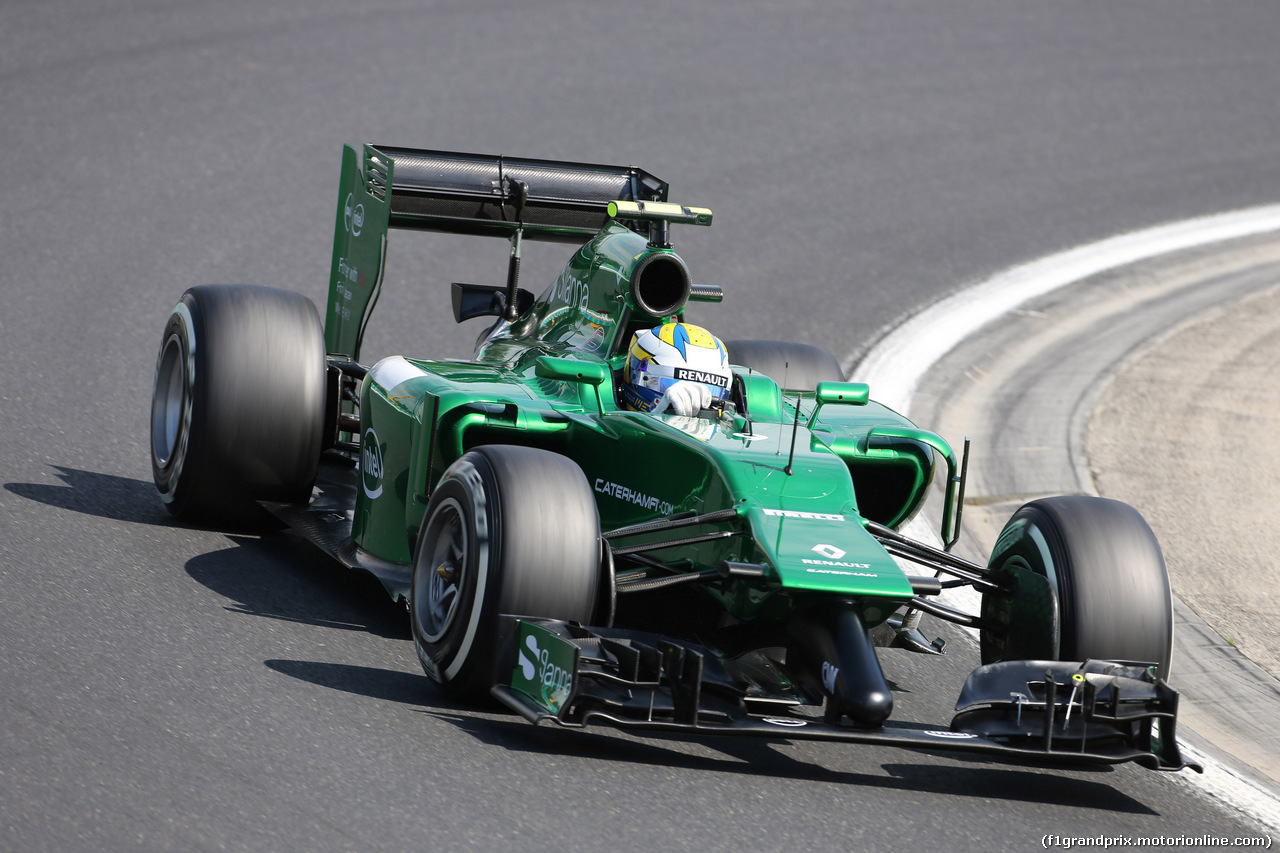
(545, 666)
(371, 464)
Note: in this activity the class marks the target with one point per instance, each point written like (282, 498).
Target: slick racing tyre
(795, 367)
(237, 413)
(1090, 583)
(508, 530)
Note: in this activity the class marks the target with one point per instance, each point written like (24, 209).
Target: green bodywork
(546, 379)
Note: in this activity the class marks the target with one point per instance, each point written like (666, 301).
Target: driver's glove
(685, 399)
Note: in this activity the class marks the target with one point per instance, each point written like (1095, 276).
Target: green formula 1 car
(728, 572)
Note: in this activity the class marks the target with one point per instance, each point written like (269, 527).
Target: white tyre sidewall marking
(179, 454)
(467, 474)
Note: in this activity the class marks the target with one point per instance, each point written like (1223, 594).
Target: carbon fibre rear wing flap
(480, 193)
(1026, 711)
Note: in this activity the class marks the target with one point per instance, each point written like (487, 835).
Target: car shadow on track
(803, 762)
(134, 501)
(269, 573)
(383, 684)
(100, 495)
(949, 774)
(285, 578)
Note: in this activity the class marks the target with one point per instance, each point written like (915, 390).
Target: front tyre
(237, 413)
(795, 367)
(508, 530)
(1090, 583)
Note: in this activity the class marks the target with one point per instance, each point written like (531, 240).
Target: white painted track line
(896, 363)
(903, 353)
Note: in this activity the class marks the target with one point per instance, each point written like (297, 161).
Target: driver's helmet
(674, 352)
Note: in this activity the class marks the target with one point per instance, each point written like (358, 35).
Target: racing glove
(685, 399)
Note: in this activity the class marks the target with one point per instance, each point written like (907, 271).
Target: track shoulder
(1041, 390)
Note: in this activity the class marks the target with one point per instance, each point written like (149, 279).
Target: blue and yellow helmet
(671, 353)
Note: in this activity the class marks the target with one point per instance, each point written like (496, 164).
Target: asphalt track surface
(168, 687)
(1142, 382)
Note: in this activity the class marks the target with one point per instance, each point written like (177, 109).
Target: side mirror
(848, 393)
(593, 373)
(839, 393)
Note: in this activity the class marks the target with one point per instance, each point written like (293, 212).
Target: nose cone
(832, 649)
(869, 707)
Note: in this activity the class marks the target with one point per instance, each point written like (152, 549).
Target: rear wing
(479, 194)
(458, 193)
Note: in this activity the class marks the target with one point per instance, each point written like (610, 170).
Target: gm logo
(830, 672)
(831, 552)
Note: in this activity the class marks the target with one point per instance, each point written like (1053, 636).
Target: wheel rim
(169, 402)
(441, 574)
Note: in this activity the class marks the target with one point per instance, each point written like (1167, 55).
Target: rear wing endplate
(460, 194)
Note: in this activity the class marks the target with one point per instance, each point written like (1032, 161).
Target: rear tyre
(795, 367)
(1091, 584)
(508, 530)
(237, 413)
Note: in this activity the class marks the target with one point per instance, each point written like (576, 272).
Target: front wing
(1050, 712)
